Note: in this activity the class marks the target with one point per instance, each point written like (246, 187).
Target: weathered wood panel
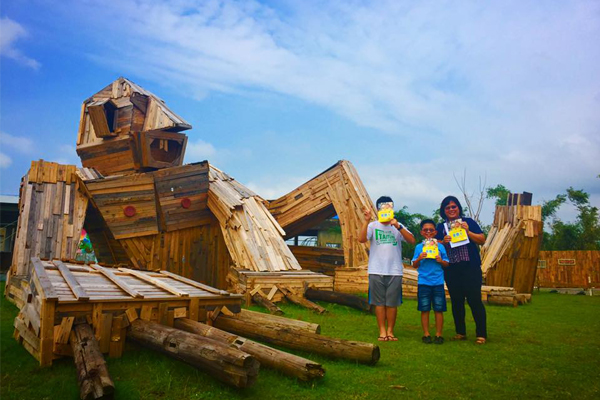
(127, 204)
(569, 269)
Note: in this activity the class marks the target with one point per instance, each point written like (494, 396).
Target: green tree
(499, 192)
(583, 234)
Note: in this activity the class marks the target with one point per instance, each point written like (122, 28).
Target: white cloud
(64, 154)
(10, 32)
(19, 144)
(5, 160)
(199, 151)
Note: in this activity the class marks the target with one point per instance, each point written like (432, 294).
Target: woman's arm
(477, 238)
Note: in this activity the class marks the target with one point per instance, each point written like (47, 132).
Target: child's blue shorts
(431, 295)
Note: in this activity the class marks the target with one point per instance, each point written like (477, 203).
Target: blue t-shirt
(430, 271)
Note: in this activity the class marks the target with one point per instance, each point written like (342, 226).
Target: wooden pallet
(55, 293)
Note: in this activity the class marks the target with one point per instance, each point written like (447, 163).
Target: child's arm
(442, 257)
(417, 261)
(406, 234)
(443, 262)
(362, 235)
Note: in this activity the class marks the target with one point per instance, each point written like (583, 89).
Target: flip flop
(382, 338)
(392, 338)
(459, 337)
(480, 340)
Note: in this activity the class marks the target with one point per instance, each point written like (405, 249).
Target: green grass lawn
(547, 349)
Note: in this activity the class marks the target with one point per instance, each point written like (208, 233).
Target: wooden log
(503, 301)
(274, 320)
(225, 363)
(350, 300)
(259, 299)
(523, 298)
(366, 353)
(92, 374)
(289, 364)
(301, 301)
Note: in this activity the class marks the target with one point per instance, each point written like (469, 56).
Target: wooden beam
(46, 288)
(117, 281)
(156, 282)
(71, 280)
(195, 284)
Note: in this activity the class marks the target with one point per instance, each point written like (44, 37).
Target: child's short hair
(427, 221)
(383, 199)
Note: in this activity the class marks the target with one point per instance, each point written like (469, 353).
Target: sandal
(392, 338)
(459, 337)
(480, 340)
(382, 338)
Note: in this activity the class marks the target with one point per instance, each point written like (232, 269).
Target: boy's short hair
(427, 221)
(383, 199)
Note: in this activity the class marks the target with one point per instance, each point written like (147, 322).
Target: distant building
(9, 215)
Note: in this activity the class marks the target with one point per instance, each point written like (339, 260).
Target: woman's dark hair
(447, 201)
(383, 199)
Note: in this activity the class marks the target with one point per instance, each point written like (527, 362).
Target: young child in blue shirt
(431, 283)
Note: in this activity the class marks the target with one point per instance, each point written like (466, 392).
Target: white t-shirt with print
(385, 257)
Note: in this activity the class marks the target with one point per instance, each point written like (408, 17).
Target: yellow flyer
(458, 235)
(431, 248)
(385, 215)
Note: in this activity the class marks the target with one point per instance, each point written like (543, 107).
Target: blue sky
(411, 92)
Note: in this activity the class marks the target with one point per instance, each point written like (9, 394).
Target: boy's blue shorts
(431, 295)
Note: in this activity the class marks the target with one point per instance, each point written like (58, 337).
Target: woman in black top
(463, 275)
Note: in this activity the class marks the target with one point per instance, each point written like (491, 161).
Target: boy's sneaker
(438, 340)
(426, 339)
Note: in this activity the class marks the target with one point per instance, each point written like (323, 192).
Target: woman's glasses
(451, 208)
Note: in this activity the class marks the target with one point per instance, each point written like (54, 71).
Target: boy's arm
(406, 234)
(362, 235)
(416, 261)
(442, 256)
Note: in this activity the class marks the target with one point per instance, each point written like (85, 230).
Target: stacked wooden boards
(569, 269)
(253, 236)
(56, 293)
(319, 259)
(51, 214)
(246, 282)
(124, 128)
(338, 190)
(510, 253)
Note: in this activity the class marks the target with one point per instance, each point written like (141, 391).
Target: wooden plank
(146, 314)
(64, 330)
(156, 282)
(105, 332)
(195, 283)
(78, 290)
(132, 314)
(117, 281)
(46, 290)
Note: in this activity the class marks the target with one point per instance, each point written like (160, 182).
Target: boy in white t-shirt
(385, 266)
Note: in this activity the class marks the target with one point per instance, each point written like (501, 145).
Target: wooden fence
(579, 269)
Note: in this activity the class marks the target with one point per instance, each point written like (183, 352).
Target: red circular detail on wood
(186, 203)
(129, 211)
